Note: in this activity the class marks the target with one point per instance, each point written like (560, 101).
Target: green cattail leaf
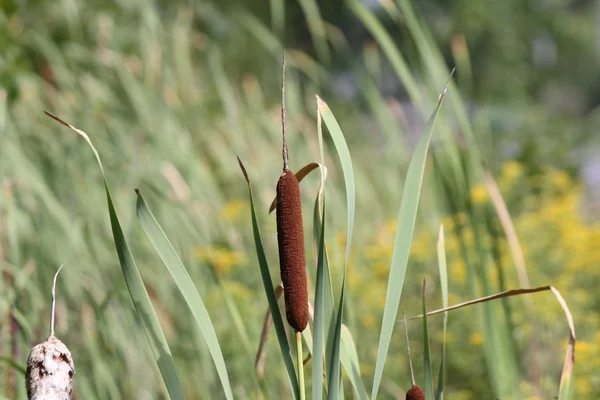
(167, 253)
(349, 357)
(405, 228)
(328, 301)
(270, 292)
(139, 295)
(428, 379)
(333, 364)
(317, 348)
(441, 252)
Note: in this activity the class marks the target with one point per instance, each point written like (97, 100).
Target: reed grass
(169, 110)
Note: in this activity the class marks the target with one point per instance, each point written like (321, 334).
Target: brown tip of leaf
(137, 191)
(415, 393)
(54, 117)
(290, 237)
(243, 170)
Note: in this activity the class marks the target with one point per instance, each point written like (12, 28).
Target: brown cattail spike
(290, 237)
(415, 393)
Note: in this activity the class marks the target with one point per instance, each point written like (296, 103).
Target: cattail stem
(412, 373)
(283, 112)
(300, 363)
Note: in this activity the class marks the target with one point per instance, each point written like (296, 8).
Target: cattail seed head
(50, 370)
(415, 393)
(290, 237)
(50, 367)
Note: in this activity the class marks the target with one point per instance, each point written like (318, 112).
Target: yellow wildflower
(479, 194)
(222, 258)
(235, 210)
(476, 339)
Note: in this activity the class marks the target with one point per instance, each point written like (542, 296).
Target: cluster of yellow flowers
(559, 245)
(560, 248)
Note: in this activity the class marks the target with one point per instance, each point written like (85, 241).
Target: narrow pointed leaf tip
(441, 96)
(243, 170)
(321, 105)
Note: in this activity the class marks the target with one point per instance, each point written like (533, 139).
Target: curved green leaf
(333, 370)
(139, 295)
(183, 280)
(270, 292)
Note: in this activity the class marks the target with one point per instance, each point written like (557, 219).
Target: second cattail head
(415, 393)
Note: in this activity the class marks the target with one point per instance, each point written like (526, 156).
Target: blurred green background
(171, 92)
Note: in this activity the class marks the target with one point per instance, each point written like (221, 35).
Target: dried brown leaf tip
(290, 237)
(415, 393)
(50, 367)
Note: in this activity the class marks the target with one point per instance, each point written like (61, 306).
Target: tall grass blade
(333, 370)
(139, 295)
(317, 349)
(350, 362)
(441, 253)
(316, 26)
(405, 228)
(389, 48)
(167, 253)
(270, 292)
(328, 301)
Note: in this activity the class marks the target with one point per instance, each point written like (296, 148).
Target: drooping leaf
(139, 295)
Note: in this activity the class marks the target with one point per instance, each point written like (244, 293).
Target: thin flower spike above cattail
(290, 236)
(50, 367)
(415, 392)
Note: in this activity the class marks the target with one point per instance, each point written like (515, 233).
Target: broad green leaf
(167, 253)
(270, 293)
(405, 228)
(139, 295)
(333, 370)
